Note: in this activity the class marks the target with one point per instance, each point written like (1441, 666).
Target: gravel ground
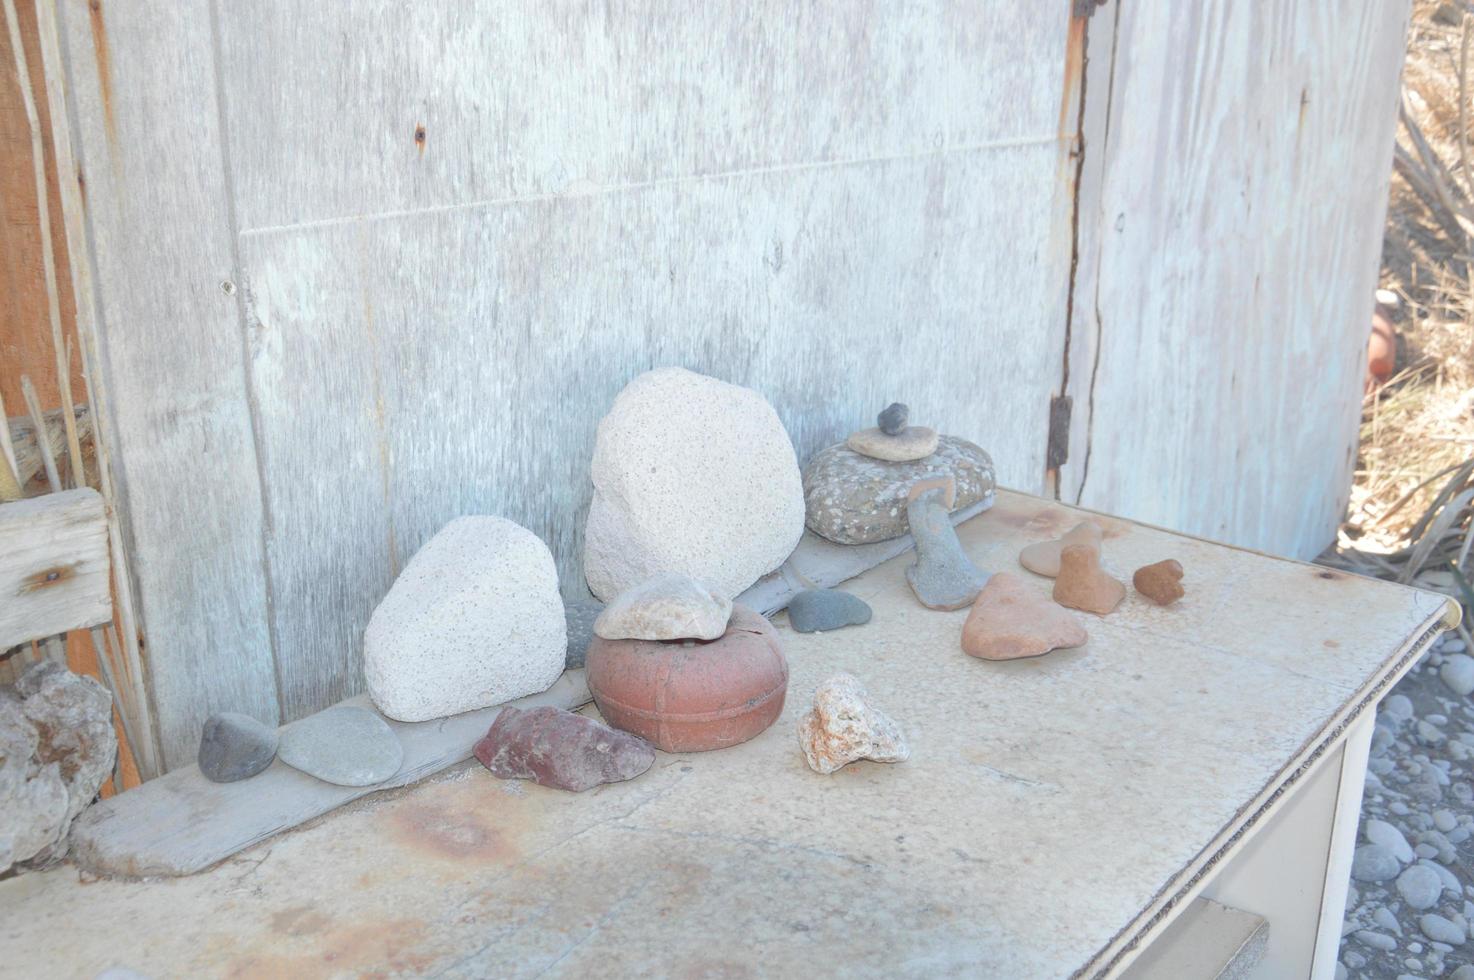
(1411, 903)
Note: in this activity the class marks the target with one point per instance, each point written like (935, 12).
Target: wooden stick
(145, 748)
(43, 213)
(1464, 103)
(110, 671)
(33, 405)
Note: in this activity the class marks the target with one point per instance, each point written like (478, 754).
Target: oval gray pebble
(346, 745)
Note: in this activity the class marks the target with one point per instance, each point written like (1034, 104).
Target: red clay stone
(1082, 584)
(558, 748)
(1160, 582)
(692, 696)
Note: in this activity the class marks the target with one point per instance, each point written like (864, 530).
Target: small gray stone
(1444, 820)
(853, 499)
(1439, 929)
(1387, 920)
(235, 746)
(1373, 862)
(943, 577)
(346, 745)
(1397, 706)
(580, 615)
(1377, 941)
(1420, 887)
(1465, 972)
(893, 419)
(1382, 832)
(1458, 673)
(815, 610)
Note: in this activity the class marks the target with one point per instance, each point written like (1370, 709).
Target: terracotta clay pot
(692, 696)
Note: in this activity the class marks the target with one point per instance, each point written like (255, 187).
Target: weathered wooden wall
(366, 267)
(1231, 214)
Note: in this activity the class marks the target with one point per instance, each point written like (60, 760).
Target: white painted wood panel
(53, 566)
(459, 361)
(169, 339)
(539, 97)
(1229, 251)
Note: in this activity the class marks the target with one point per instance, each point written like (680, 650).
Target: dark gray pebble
(235, 746)
(893, 419)
(813, 610)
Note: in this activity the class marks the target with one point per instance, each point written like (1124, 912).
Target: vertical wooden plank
(1219, 323)
(148, 144)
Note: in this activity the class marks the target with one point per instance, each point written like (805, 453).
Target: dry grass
(1409, 517)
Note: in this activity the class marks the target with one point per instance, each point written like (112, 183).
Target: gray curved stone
(346, 746)
(850, 498)
(235, 746)
(943, 576)
(893, 419)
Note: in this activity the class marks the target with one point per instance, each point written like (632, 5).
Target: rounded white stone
(691, 475)
(474, 619)
(668, 607)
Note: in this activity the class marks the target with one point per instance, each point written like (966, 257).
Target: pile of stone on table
(697, 494)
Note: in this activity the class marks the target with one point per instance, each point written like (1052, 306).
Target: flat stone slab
(745, 859)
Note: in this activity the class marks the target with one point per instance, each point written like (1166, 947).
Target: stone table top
(1050, 809)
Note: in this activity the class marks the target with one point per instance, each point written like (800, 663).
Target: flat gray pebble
(1438, 928)
(816, 610)
(1377, 940)
(1420, 887)
(346, 745)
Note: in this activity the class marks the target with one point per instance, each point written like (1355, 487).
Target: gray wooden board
(397, 389)
(181, 822)
(53, 566)
(1231, 227)
(147, 139)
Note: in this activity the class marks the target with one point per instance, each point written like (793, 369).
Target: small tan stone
(1082, 584)
(1160, 582)
(1010, 620)
(844, 727)
(911, 443)
(1042, 557)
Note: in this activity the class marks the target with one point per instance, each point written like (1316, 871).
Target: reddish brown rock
(1010, 620)
(692, 696)
(558, 748)
(1042, 557)
(1160, 582)
(1082, 584)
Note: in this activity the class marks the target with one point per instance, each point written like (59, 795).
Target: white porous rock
(844, 727)
(474, 619)
(691, 475)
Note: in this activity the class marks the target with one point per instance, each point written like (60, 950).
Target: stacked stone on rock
(561, 749)
(851, 498)
(475, 619)
(673, 606)
(691, 475)
(57, 747)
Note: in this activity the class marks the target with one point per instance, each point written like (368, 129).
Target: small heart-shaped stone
(1083, 584)
(1160, 582)
(1042, 557)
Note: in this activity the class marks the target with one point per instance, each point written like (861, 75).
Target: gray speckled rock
(893, 419)
(853, 499)
(943, 577)
(346, 745)
(66, 720)
(235, 746)
(815, 610)
(580, 615)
